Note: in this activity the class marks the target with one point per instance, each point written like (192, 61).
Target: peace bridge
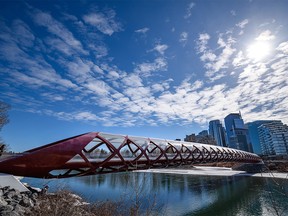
(99, 153)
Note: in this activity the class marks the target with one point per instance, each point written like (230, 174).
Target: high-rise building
(237, 133)
(254, 135)
(203, 133)
(217, 131)
(190, 138)
(202, 137)
(229, 124)
(273, 138)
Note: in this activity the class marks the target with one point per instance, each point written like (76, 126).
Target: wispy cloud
(58, 29)
(202, 42)
(25, 67)
(161, 87)
(183, 38)
(161, 48)
(104, 22)
(242, 25)
(142, 31)
(189, 10)
(283, 47)
(23, 33)
(214, 63)
(70, 116)
(132, 80)
(159, 64)
(53, 97)
(265, 36)
(240, 60)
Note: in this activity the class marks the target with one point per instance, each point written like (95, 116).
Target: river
(175, 194)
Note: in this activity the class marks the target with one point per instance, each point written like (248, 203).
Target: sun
(258, 50)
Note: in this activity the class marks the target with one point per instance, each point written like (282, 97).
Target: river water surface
(175, 194)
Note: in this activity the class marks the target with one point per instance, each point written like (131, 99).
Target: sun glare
(258, 50)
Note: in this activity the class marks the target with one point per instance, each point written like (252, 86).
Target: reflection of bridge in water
(98, 153)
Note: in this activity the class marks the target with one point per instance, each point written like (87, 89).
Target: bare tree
(3, 120)
(3, 114)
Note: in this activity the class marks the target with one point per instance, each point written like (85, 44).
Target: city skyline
(146, 68)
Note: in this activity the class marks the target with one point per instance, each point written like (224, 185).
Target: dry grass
(64, 203)
(60, 203)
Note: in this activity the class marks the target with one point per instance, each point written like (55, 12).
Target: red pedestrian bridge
(98, 153)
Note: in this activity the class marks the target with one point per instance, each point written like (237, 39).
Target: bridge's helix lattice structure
(99, 153)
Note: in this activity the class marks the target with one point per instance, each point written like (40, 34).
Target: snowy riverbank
(215, 171)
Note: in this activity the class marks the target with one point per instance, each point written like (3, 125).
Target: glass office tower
(216, 130)
(237, 133)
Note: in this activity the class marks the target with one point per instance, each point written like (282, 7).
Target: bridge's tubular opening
(115, 153)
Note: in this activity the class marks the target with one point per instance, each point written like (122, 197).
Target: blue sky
(147, 68)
